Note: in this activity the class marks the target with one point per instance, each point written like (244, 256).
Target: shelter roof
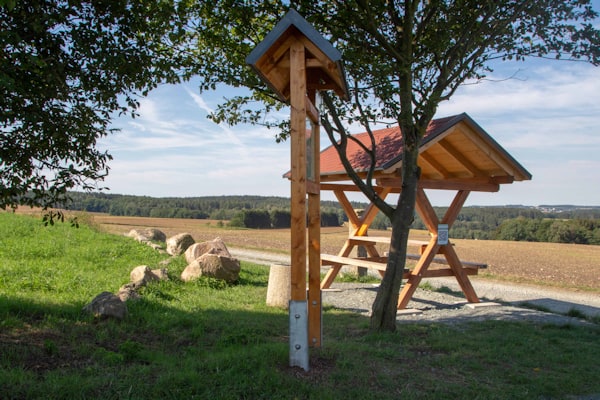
(455, 153)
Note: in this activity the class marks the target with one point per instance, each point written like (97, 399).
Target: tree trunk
(383, 317)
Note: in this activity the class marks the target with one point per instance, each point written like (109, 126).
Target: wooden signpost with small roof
(296, 62)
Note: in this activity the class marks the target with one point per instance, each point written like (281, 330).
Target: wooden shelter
(455, 154)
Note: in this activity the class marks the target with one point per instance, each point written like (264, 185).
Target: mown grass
(209, 340)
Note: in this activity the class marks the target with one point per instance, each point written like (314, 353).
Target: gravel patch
(429, 306)
(500, 300)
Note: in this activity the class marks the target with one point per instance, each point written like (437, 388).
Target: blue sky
(547, 118)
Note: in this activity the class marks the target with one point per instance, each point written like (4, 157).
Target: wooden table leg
(459, 273)
(415, 276)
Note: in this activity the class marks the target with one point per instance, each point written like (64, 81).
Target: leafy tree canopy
(66, 68)
(402, 57)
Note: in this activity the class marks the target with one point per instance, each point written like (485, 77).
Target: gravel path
(500, 300)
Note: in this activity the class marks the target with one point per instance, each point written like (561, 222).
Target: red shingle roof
(388, 143)
(455, 153)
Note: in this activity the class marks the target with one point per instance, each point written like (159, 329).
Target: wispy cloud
(548, 119)
(229, 134)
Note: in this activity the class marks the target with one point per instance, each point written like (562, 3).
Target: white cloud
(560, 90)
(548, 120)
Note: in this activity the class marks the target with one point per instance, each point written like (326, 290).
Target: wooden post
(315, 330)
(298, 168)
(281, 55)
(298, 305)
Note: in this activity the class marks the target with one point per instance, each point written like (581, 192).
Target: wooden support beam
(346, 206)
(328, 67)
(426, 211)
(370, 213)
(455, 207)
(483, 184)
(313, 114)
(315, 330)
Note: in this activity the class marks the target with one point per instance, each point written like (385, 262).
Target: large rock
(178, 244)
(216, 246)
(147, 235)
(212, 265)
(144, 274)
(107, 305)
(140, 277)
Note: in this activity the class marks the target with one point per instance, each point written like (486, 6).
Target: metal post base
(299, 334)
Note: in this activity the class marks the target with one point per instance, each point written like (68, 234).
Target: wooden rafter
(433, 163)
(487, 149)
(460, 158)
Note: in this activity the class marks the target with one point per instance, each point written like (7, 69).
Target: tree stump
(279, 287)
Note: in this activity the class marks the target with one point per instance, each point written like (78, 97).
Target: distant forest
(559, 224)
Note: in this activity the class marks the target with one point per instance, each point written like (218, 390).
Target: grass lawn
(210, 340)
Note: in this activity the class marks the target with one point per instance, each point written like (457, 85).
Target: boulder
(147, 235)
(162, 274)
(178, 244)
(107, 305)
(142, 273)
(212, 265)
(215, 246)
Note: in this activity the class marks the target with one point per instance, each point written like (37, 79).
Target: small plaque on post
(442, 238)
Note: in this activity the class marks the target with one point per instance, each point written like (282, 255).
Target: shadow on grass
(222, 346)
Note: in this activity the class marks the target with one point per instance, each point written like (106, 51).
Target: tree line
(569, 225)
(559, 224)
(257, 212)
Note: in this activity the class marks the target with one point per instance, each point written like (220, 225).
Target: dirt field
(570, 266)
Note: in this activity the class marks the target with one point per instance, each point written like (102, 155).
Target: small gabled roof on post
(324, 68)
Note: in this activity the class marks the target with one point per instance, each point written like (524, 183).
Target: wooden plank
(312, 187)
(314, 271)
(330, 259)
(439, 260)
(383, 239)
(446, 272)
(330, 275)
(347, 207)
(370, 214)
(347, 187)
(426, 211)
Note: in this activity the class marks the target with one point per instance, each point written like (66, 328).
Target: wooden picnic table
(429, 252)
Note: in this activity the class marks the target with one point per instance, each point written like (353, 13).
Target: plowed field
(561, 265)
